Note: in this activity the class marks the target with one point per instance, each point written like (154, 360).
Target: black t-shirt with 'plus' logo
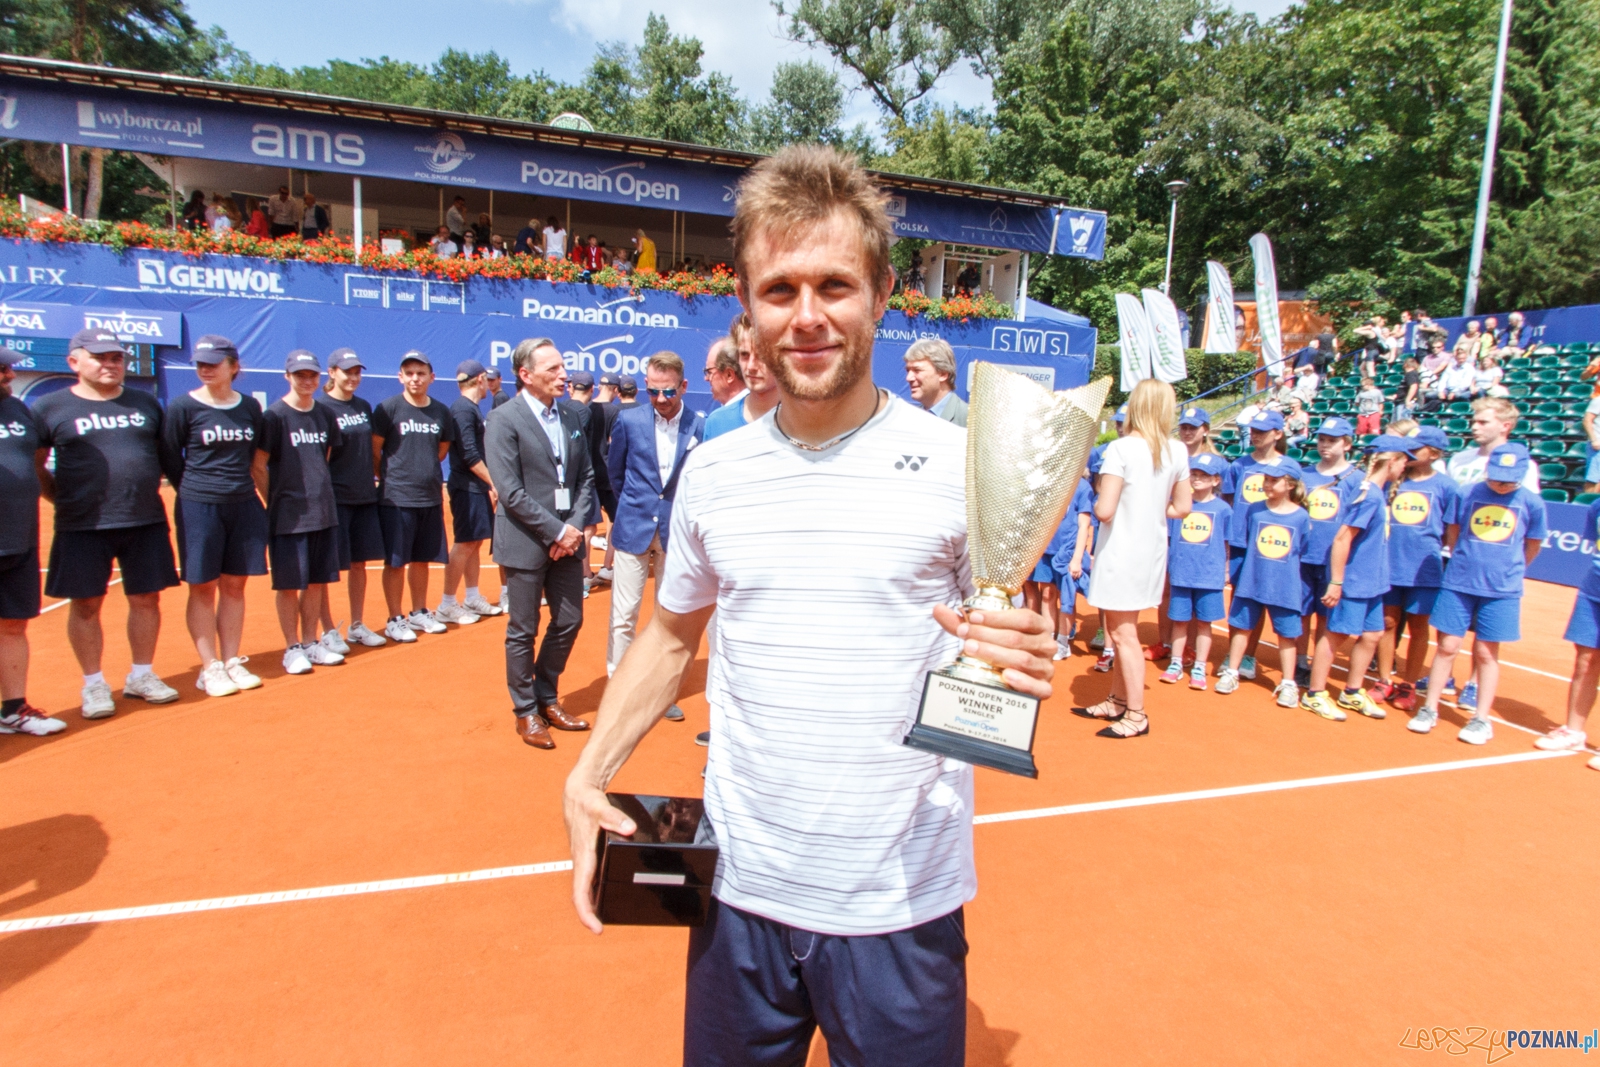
(109, 459)
(409, 476)
(300, 486)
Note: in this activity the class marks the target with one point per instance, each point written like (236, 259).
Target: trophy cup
(1026, 450)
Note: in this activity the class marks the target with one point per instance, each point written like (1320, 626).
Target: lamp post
(1174, 189)
(1480, 223)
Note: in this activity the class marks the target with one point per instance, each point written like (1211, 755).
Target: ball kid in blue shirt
(1053, 589)
(1197, 568)
(1268, 580)
(1242, 483)
(1424, 505)
(1499, 529)
(1583, 630)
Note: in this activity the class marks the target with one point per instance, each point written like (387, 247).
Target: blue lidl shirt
(1242, 481)
(1418, 514)
(1325, 494)
(1366, 571)
(1065, 542)
(1197, 557)
(1590, 586)
(1270, 573)
(1488, 559)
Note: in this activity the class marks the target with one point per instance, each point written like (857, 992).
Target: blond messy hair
(1152, 415)
(802, 186)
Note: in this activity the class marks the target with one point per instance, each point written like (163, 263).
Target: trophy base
(662, 875)
(976, 721)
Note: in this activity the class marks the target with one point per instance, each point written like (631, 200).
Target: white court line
(44, 922)
(64, 603)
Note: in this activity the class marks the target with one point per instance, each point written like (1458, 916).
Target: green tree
(898, 48)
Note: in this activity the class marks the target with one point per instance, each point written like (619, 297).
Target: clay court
(365, 866)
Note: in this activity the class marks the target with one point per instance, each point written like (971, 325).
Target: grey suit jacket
(526, 522)
(955, 411)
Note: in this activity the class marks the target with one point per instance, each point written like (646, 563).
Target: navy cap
(1389, 442)
(493, 372)
(96, 341)
(610, 379)
(1285, 465)
(1194, 416)
(1508, 463)
(1267, 420)
(10, 356)
(300, 359)
(1121, 414)
(1207, 463)
(214, 348)
(416, 355)
(468, 369)
(344, 359)
(581, 379)
(1334, 426)
(1432, 437)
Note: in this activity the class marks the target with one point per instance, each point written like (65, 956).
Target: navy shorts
(1356, 615)
(1189, 603)
(1235, 561)
(471, 518)
(80, 561)
(412, 535)
(757, 990)
(1412, 599)
(1244, 613)
(19, 585)
(1313, 584)
(303, 559)
(1582, 629)
(360, 534)
(1491, 618)
(218, 539)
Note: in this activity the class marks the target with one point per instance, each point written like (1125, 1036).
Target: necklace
(824, 446)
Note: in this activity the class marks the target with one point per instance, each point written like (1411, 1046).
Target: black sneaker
(703, 738)
(674, 714)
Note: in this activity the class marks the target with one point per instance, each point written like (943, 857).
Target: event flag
(1134, 338)
(1222, 335)
(1167, 335)
(1267, 321)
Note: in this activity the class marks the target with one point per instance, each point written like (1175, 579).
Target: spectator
(555, 239)
(619, 261)
(260, 224)
(969, 278)
(1515, 342)
(1369, 408)
(1327, 353)
(194, 212)
(1410, 390)
(1491, 334)
(627, 392)
(589, 255)
(456, 219)
(527, 241)
(1306, 383)
(483, 229)
(442, 245)
(722, 371)
(284, 212)
(1592, 371)
(1435, 361)
(1591, 434)
(931, 373)
(1395, 337)
(314, 220)
(1297, 424)
(1470, 341)
(1427, 331)
(913, 281)
(496, 396)
(644, 251)
(497, 247)
(222, 213)
(1374, 337)
(1458, 380)
(469, 245)
(1487, 380)
(1302, 357)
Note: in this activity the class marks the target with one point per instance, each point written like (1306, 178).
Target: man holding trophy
(845, 853)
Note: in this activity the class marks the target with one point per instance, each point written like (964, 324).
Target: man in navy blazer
(648, 446)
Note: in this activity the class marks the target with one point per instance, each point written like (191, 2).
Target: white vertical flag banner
(1167, 334)
(1133, 336)
(1222, 335)
(1267, 321)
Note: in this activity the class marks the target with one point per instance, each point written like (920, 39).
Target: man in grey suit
(931, 374)
(539, 462)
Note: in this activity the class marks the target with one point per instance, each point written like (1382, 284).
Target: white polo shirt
(825, 568)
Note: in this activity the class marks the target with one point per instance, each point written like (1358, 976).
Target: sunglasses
(667, 393)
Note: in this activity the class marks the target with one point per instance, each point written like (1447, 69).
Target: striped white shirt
(824, 568)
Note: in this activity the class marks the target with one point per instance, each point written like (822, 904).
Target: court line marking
(64, 603)
(350, 889)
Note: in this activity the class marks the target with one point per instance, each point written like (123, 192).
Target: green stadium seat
(1576, 361)
(1548, 428)
(1586, 498)
(1552, 472)
(1457, 444)
(1547, 449)
(1517, 377)
(1549, 391)
(1551, 376)
(1519, 392)
(1578, 450)
(1559, 496)
(1458, 426)
(1579, 391)
(1578, 346)
(1549, 409)
(1459, 407)
(1547, 361)
(1232, 451)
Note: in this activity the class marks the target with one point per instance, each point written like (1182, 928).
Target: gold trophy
(1026, 450)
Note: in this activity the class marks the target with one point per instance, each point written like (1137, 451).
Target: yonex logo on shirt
(1322, 504)
(412, 426)
(108, 422)
(1274, 542)
(1493, 523)
(1251, 489)
(1196, 528)
(910, 463)
(308, 437)
(1410, 509)
(224, 434)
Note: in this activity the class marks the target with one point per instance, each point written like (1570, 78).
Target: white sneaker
(148, 687)
(605, 574)
(295, 660)
(505, 601)
(322, 655)
(241, 674)
(357, 631)
(333, 642)
(214, 680)
(1476, 732)
(1227, 681)
(30, 720)
(1423, 721)
(400, 630)
(448, 613)
(1562, 739)
(424, 621)
(1063, 648)
(480, 607)
(1288, 695)
(97, 702)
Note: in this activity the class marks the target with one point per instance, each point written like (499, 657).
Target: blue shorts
(1491, 618)
(471, 518)
(1045, 574)
(1244, 613)
(80, 561)
(412, 535)
(1189, 603)
(218, 539)
(1591, 465)
(1235, 561)
(1313, 584)
(1356, 615)
(19, 585)
(1584, 626)
(360, 534)
(757, 990)
(1412, 599)
(304, 559)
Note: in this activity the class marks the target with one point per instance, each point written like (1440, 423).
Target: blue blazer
(644, 505)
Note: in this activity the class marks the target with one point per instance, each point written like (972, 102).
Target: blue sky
(742, 38)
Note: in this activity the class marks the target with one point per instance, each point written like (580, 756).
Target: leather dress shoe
(557, 717)
(532, 731)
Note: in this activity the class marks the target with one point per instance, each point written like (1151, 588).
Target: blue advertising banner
(147, 122)
(1569, 549)
(1553, 326)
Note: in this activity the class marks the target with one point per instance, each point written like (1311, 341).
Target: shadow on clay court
(985, 1047)
(38, 861)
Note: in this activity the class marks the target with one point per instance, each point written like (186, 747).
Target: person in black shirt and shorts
(20, 462)
(410, 435)
(472, 500)
(497, 395)
(222, 527)
(297, 436)
(355, 491)
(107, 493)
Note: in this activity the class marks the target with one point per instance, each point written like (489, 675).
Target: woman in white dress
(1144, 481)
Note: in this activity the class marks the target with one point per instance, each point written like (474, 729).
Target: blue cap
(214, 348)
(608, 378)
(1194, 416)
(1267, 420)
(1508, 463)
(1096, 457)
(1334, 426)
(1432, 437)
(493, 372)
(416, 355)
(95, 341)
(1389, 442)
(581, 379)
(1285, 465)
(1207, 463)
(344, 359)
(300, 359)
(1121, 414)
(468, 369)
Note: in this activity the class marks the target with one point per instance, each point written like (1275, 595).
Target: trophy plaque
(662, 874)
(1026, 450)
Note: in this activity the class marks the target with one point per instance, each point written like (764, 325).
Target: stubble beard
(854, 363)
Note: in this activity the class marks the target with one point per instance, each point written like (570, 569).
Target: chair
(1576, 361)
(1457, 444)
(1517, 377)
(1586, 498)
(1552, 472)
(1543, 350)
(1579, 391)
(1232, 451)
(1547, 361)
(1548, 391)
(1458, 426)
(1546, 448)
(1548, 428)
(1578, 450)
(1551, 376)
(1459, 407)
(1576, 346)
(1549, 409)
(1518, 392)
(1559, 496)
